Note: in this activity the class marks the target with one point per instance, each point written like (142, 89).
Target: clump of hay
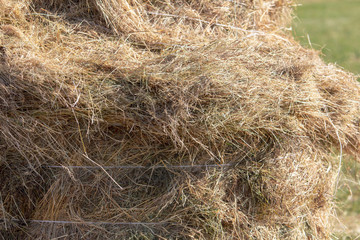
(225, 127)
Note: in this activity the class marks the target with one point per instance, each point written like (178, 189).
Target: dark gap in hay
(80, 11)
(23, 187)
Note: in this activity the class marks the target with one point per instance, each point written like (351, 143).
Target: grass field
(333, 27)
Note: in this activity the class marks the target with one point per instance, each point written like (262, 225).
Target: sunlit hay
(11, 31)
(147, 23)
(153, 89)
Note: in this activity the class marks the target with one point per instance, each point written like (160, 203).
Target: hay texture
(225, 127)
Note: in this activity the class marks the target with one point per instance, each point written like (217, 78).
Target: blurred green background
(333, 27)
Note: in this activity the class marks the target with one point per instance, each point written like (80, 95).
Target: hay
(157, 85)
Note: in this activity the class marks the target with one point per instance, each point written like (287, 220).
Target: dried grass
(160, 83)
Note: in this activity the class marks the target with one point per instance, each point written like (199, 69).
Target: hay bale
(227, 135)
(191, 22)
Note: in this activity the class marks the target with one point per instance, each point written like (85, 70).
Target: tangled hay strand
(88, 84)
(147, 22)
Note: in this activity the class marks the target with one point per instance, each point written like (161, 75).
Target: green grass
(349, 191)
(333, 27)
(348, 198)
